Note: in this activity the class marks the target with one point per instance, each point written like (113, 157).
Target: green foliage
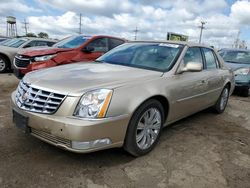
(43, 35)
(31, 35)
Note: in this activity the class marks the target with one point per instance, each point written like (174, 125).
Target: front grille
(52, 138)
(21, 62)
(36, 100)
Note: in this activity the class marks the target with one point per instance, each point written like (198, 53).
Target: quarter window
(210, 59)
(193, 54)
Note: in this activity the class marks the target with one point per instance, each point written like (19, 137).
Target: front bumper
(242, 81)
(62, 131)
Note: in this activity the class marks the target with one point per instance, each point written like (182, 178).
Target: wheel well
(229, 85)
(164, 101)
(6, 57)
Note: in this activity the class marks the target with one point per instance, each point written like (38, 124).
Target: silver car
(10, 47)
(124, 99)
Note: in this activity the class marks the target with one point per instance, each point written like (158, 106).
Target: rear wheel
(3, 64)
(221, 104)
(144, 128)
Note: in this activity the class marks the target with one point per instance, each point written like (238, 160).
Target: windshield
(15, 43)
(152, 56)
(72, 42)
(236, 56)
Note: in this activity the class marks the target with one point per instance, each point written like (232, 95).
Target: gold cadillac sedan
(124, 98)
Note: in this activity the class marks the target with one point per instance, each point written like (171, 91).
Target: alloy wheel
(148, 128)
(2, 65)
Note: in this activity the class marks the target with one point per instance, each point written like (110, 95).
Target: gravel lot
(205, 150)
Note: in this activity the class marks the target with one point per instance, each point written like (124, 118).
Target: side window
(210, 59)
(193, 54)
(41, 43)
(114, 42)
(50, 43)
(30, 44)
(99, 45)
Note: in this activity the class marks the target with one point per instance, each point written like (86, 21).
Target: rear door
(214, 76)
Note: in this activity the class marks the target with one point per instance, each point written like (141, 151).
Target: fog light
(91, 144)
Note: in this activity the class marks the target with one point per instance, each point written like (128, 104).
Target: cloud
(240, 12)
(93, 7)
(153, 18)
(12, 6)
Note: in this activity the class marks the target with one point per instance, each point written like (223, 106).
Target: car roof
(97, 36)
(189, 44)
(234, 49)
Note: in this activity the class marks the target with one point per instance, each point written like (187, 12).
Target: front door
(188, 91)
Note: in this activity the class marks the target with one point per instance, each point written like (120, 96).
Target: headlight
(44, 58)
(242, 71)
(94, 104)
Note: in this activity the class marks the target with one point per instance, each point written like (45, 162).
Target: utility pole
(80, 24)
(201, 27)
(25, 26)
(136, 31)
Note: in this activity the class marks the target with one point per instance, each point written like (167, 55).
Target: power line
(25, 26)
(201, 27)
(136, 32)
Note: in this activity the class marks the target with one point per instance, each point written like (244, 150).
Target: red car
(70, 50)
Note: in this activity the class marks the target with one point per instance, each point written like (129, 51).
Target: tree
(31, 35)
(43, 35)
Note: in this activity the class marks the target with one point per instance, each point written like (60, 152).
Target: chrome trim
(101, 119)
(198, 95)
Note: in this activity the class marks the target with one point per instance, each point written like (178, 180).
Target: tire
(144, 128)
(245, 92)
(221, 103)
(4, 64)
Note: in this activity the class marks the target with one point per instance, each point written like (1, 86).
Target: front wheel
(221, 103)
(144, 128)
(3, 64)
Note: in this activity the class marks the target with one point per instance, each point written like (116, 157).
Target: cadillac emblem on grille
(25, 96)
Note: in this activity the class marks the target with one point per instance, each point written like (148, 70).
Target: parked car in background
(124, 98)
(70, 50)
(9, 48)
(239, 61)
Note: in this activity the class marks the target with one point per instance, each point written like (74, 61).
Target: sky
(153, 18)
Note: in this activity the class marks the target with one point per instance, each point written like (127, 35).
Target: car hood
(39, 51)
(236, 66)
(75, 79)
(6, 49)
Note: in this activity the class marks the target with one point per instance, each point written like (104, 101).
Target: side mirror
(88, 49)
(192, 67)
